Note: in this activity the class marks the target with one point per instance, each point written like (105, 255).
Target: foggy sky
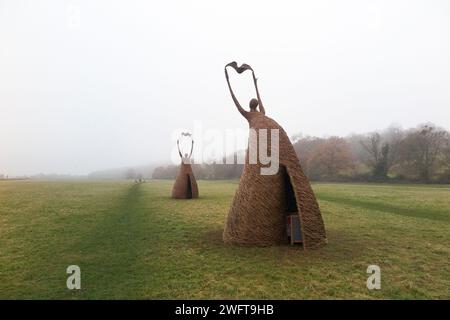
(86, 85)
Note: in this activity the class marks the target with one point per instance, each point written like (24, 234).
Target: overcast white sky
(86, 85)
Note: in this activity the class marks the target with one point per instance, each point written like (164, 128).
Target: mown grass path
(135, 242)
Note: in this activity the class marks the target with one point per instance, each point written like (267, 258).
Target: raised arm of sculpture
(192, 148)
(179, 151)
(236, 102)
(261, 107)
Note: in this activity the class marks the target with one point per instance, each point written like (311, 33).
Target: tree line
(420, 154)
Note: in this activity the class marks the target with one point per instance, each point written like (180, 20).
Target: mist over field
(88, 86)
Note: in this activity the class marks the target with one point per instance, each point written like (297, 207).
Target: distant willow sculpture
(261, 204)
(185, 186)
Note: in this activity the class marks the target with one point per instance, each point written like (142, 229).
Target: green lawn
(135, 242)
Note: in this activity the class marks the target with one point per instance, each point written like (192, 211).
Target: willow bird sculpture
(185, 186)
(261, 204)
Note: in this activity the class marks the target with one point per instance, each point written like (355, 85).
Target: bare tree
(446, 158)
(393, 136)
(378, 154)
(421, 150)
(382, 150)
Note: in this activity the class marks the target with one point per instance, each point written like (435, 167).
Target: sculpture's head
(253, 104)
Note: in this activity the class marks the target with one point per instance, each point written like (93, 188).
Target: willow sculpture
(261, 204)
(185, 186)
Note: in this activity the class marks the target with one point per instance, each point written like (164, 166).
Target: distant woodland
(420, 154)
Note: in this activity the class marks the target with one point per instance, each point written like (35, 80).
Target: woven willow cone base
(257, 215)
(185, 186)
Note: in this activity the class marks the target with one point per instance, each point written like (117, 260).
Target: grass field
(134, 242)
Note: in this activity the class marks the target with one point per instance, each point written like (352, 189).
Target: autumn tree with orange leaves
(330, 159)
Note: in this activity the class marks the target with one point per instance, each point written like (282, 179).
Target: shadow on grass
(435, 215)
(110, 255)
